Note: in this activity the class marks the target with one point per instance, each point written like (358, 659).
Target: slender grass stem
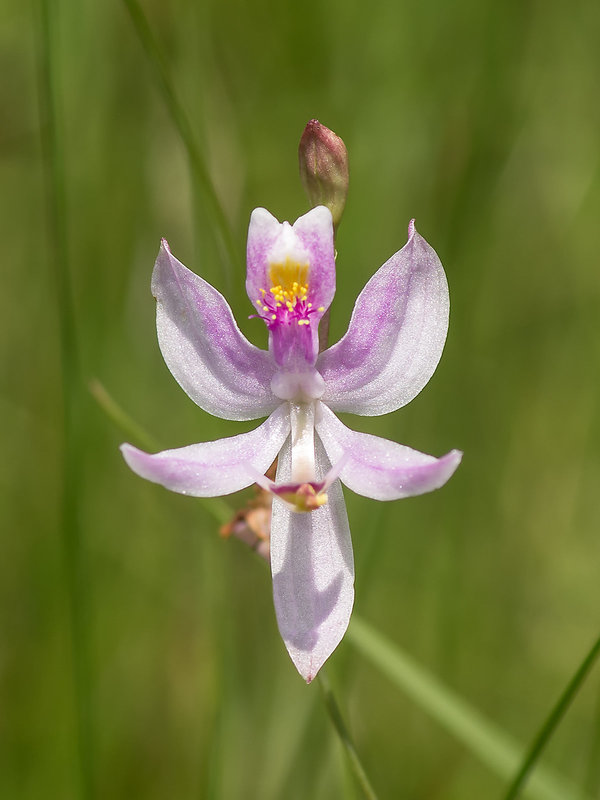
(552, 722)
(217, 508)
(120, 417)
(487, 741)
(77, 597)
(200, 174)
(346, 740)
(592, 778)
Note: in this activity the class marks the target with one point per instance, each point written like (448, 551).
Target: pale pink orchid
(389, 352)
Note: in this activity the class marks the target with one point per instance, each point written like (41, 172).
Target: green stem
(483, 738)
(551, 723)
(201, 176)
(592, 781)
(342, 731)
(120, 417)
(217, 508)
(75, 579)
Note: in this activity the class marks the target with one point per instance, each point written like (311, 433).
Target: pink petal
(315, 231)
(395, 337)
(214, 468)
(203, 347)
(379, 468)
(313, 572)
(312, 235)
(263, 231)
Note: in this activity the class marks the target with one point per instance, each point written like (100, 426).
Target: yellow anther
(321, 308)
(289, 286)
(288, 275)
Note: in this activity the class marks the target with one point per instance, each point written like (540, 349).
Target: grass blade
(554, 718)
(215, 506)
(489, 743)
(72, 406)
(201, 179)
(344, 736)
(120, 417)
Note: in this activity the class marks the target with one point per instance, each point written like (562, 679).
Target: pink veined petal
(263, 231)
(214, 468)
(313, 572)
(379, 468)
(313, 235)
(395, 337)
(315, 231)
(203, 347)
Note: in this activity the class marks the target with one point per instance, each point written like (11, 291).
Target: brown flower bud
(324, 168)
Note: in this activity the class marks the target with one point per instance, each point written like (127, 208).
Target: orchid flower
(389, 352)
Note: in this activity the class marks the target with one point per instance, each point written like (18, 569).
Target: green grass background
(159, 668)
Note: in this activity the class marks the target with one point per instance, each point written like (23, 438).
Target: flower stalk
(344, 736)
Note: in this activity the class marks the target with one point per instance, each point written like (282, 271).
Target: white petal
(379, 468)
(313, 572)
(395, 337)
(214, 468)
(209, 357)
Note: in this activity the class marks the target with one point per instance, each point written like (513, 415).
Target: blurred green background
(158, 671)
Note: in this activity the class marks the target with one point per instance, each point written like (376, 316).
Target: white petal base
(313, 572)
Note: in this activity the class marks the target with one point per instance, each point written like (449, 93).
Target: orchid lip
(285, 285)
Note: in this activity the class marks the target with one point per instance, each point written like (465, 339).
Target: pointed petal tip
(411, 229)
(309, 661)
(449, 464)
(454, 457)
(164, 262)
(134, 458)
(308, 667)
(132, 455)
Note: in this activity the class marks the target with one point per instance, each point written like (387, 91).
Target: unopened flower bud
(324, 168)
